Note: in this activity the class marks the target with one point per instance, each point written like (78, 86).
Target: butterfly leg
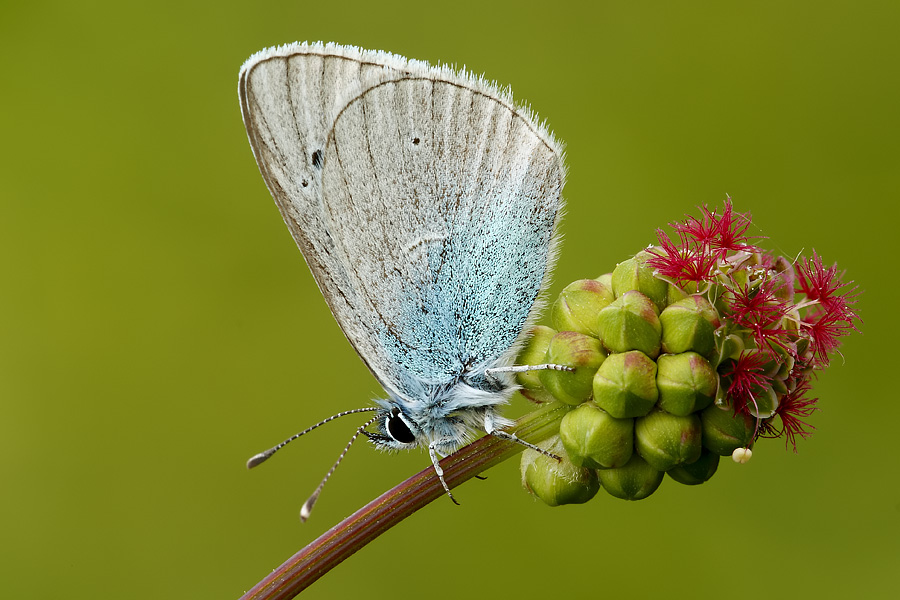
(526, 368)
(432, 451)
(512, 437)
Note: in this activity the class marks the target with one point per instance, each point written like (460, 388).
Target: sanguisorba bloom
(691, 350)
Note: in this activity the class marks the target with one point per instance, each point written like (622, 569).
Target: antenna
(307, 507)
(264, 456)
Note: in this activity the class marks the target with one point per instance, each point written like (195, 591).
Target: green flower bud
(697, 472)
(634, 274)
(534, 353)
(665, 440)
(557, 482)
(577, 350)
(686, 383)
(724, 431)
(606, 279)
(631, 323)
(625, 385)
(595, 439)
(634, 481)
(577, 306)
(688, 325)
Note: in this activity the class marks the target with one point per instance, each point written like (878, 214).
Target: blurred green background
(159, 325)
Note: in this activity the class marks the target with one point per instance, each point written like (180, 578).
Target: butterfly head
(444, 422)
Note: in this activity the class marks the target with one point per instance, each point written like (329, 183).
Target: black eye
(398, 429)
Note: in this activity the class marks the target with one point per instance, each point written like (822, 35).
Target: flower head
(704, 343)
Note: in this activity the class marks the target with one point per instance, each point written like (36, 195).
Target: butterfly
(426, 204)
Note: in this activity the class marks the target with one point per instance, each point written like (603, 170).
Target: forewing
(290, 97)
(443, 197)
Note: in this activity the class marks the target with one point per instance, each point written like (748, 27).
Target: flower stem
(382, 513)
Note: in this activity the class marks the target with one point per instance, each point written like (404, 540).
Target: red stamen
(745, 377)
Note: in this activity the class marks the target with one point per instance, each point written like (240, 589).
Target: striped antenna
(264, 456)
(307, 507)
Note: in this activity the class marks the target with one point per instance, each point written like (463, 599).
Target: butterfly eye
(398, 429)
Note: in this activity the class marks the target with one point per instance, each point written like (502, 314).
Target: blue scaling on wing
(481, 282)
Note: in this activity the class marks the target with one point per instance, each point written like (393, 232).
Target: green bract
(625, 385)
(698, 471)
(689, 324)
(554, 481)
(631, 323)
(686, 382)
(634, 481)
(724, 431)
(577, 306)
(634, 274)
(576, 350)
(665, 440)
(593, 438)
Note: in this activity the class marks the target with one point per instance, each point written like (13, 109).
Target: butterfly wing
(446, 197)
(289, 98)
(423, 200)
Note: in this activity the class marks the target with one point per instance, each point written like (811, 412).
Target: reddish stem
(382, 513)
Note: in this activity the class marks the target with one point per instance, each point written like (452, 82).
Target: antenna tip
(307, 507)
(258, 459)
(305, 511)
